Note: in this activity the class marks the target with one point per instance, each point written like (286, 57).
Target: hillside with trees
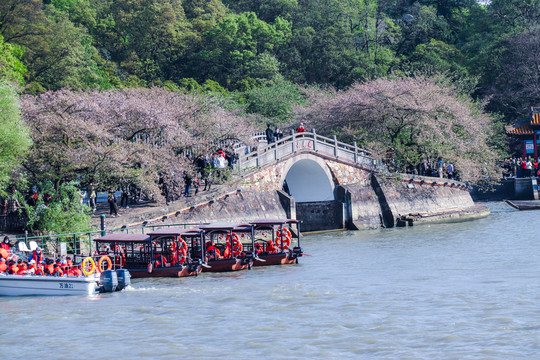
(88, 85)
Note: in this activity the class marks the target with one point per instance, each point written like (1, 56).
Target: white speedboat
(23, 285)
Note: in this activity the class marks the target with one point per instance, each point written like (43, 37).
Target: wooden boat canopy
(218, 226)
(124, 238)
(175, 232)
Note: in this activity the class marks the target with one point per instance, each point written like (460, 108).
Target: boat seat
(33, 245)
(23, 247)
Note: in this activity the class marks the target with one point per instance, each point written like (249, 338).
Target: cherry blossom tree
(405, 119)
(141, 136)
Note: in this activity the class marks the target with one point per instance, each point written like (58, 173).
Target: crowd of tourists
(35, 264)
(435, 168)
(521, 167)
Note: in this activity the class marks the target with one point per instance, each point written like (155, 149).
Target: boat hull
(28, 285)
(173, 271)
(275, 259)
(222, 265)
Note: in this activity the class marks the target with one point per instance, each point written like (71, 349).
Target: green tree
(14, 135)
(145, 37)
(11, 67)
(240, 47)
(275, 101)
(65, 213)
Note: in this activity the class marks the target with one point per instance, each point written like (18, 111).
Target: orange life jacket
(3, 267)
(57, 271)
(50, 267)
(13, 269)
(4, 253)
(74, 272)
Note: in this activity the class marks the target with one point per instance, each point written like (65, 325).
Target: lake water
(465, 290)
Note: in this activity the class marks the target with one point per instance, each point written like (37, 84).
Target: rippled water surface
(453, 291)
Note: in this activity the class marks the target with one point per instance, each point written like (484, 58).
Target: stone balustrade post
(314, 140)
(355, 153)
(293, 142)
(335, 145)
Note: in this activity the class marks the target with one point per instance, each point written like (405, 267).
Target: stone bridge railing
(308, 142)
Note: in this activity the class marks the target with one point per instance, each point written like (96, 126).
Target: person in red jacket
(301, 128)
(6, 246)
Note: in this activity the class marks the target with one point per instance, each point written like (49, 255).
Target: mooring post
(102, 224)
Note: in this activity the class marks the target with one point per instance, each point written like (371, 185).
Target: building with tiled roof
(528, 129)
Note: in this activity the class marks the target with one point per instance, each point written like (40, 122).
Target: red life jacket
(38, 257)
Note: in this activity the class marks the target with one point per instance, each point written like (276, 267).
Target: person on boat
(4, 254)
(12, 267)
(74, 271)
(23, 267)
(3, 266)
(49, 267)
(258, 248)
(31, 268)
(6, 245)
(57, 271)
(160, 260)
(39, 269)
(37, 255)
(270, 248)
(212, 252)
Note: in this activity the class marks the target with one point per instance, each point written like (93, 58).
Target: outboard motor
(246, 258)
(194, 264)
(124, 279)
(108, 281)
(296, 253)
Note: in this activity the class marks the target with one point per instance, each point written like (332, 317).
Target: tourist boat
(162, 253)
(259, 243)
(524, 205)
(276, 241)
(223, 250)
(24, 285)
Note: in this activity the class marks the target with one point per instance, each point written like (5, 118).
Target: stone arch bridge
(333, 185)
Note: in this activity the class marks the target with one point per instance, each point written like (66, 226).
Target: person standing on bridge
(269, 134)
(301, 128)
(278, 134)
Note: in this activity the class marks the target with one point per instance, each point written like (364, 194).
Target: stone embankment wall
(368, 203)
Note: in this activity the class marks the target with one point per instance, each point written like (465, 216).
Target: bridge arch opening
(308, 181)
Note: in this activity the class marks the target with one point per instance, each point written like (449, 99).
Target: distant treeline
(240, 46)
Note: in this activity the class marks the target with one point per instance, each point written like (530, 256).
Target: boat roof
(274, 221)
(175, 231)
(122, 237)
(218, 226)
